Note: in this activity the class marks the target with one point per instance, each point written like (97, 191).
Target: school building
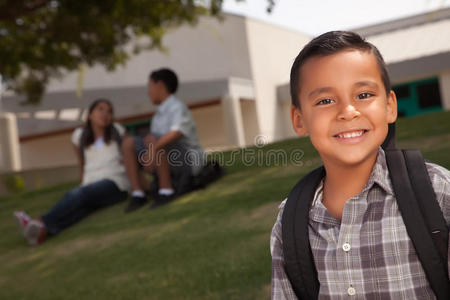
(234, 76)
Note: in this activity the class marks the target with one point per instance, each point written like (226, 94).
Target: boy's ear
(297, 121)
(391, 107)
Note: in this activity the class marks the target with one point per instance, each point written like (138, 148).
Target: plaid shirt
(367, 254)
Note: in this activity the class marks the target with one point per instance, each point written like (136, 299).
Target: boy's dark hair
(168, 77)
(331, 43)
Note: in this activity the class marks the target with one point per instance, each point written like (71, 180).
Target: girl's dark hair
(168, 77)
(88, 136)
(331, 43)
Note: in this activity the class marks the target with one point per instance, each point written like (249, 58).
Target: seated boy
(171, 152)
(342, 98)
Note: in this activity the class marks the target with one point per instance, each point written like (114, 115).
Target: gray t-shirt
(172, 114)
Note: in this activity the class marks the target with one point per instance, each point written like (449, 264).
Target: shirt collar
(165, 104)
(379, 175)
(318, 194)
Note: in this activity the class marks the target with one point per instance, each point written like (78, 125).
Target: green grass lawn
(210, 244)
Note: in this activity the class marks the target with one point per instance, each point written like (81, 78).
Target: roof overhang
(416, 20)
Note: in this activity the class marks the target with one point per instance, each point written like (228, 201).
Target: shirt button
(351, 291)
(346, 247)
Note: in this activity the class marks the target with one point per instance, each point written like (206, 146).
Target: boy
(171, 151)
(342, 98)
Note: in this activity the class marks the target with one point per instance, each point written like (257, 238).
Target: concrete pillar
(444, 86)
(9, 143)
(232, 116)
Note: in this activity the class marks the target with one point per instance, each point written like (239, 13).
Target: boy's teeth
(353, 134)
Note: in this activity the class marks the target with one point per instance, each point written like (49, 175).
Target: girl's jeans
(80, 202)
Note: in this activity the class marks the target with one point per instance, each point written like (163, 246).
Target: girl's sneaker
(35, 232)
(22, 220)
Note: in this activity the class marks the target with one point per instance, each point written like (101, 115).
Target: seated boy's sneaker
(135, 203)
(22, 220)
(161, 200)
(35, 232)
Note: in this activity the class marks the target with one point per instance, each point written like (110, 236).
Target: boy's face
(156, 91)
(344, 107)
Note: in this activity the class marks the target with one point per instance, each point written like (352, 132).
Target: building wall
(210, 50)
(210, 126)
(418, 51)
(47, 152)
(272, 52)
(415, 41)
(9, 143)
(250, 121)
(288, 131)
(444, 85)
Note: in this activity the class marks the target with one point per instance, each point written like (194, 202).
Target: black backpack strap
(414, 220)
(428, 204)
(298, 258)
(389, 141)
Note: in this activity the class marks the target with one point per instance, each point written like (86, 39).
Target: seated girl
(103, 177)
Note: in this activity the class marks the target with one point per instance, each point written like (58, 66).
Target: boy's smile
(352, 136)
(344, 107)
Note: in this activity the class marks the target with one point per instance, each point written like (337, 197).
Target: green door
(418, 97)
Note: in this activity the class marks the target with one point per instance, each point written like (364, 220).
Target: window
(428, 94)
(401, 91)
(418, 97)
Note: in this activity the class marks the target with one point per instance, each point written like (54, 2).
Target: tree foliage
(40, 39)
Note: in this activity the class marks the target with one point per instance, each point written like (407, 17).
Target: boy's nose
(348, 112)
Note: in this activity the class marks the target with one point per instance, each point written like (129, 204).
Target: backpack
(184, 182)
(423, 218)
(115, 136)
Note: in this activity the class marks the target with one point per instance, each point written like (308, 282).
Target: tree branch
(13, 9)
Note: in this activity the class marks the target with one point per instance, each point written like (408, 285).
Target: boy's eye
(364, 96)
(324, 101)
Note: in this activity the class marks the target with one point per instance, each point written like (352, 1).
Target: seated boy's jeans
(180, 170)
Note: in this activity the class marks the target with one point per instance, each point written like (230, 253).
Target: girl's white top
(103, 161)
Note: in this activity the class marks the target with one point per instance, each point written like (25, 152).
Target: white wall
(272, 52)
(444, 85)
(288, 130)
(250, 121)
(211, 50)
(413, 42)
(210, 126)
(47, 152)
(9, 143)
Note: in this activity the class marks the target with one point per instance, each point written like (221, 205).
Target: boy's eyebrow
(319, 91)
(368, 83)
(326, 89)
